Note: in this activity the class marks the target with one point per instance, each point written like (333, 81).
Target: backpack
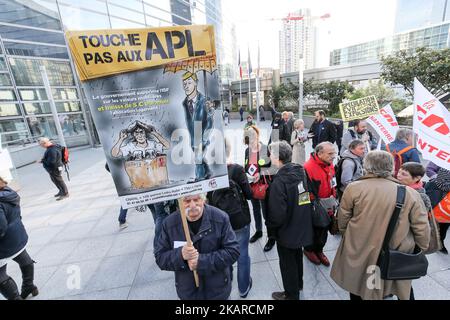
(338, 175)
(65, 159)
(231, 200)
(398, 160)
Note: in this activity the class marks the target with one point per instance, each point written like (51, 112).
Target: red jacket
(321, 176)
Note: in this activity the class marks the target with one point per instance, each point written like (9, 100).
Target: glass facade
(436, 37)
(415, 14)
(32, 35)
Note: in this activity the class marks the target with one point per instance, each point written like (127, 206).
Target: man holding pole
(200, 246)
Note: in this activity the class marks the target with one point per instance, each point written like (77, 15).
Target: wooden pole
(187, 234)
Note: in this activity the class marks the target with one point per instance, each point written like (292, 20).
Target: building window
(73, 125)
(5, 80)
(42, 127)
(35, 50)
(25, 34)
(7, 95)
(64, 94)
(32, 94)
(12, 130)
(34, 15)
(37, 107)
(68, 107)
(9, 110)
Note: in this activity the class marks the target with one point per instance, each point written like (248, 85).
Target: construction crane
(294, 17)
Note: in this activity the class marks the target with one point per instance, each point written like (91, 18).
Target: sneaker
(323, 259)
(244, 295)
(256, 236)
(279, 296)
(269, 245)
(443, 250)
(123, 225)
(312, 257)
(62, 197)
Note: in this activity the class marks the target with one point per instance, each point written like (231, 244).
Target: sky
(351, 22)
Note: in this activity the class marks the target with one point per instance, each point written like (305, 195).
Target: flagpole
(240, 92)
(257, 91)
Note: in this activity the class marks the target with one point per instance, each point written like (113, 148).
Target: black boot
(28, 286)
(9, 290)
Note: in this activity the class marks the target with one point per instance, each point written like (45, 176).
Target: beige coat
(363, 217)
(298, 149)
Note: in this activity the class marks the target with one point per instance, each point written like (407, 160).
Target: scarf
(443, 180)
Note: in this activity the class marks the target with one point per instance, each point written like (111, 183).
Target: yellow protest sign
(99, 53)
(359, 109)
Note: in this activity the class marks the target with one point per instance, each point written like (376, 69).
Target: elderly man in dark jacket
(214, 251)
(52, 162)
(13, 239)
(289, 215)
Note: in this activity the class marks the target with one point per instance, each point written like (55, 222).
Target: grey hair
(379, 163)
(298, 122)
(355, 143)
(44, 140)
(322, 145)
(201, 195)
(403, 134)
(282, 151)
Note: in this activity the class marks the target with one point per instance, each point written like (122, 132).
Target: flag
(249, 64)
(432, 126)
(385, 124)
(239, 64)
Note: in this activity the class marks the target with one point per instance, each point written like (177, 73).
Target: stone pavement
(81, 234)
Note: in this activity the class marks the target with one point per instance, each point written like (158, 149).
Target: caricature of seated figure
(141, 154)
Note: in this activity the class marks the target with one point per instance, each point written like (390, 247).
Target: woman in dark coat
(13, 239)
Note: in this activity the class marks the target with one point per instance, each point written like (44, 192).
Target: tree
(333, 92)
(378, 89)
(430, 66)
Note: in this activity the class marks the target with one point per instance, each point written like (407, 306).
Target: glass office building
(435, 37)
(415, 14)
(32, 35)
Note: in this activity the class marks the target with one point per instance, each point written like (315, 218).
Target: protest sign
(385, 124)
(432, 125)
(154, 97)
(359, 108)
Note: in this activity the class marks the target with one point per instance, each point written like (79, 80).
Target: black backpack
(231, 200)
(338, 174)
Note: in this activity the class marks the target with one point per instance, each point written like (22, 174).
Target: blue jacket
(411, 155)
(218, 250)
(13, 236)
(200, 114)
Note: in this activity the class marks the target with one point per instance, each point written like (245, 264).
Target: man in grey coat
(358, 132)
(352, 163)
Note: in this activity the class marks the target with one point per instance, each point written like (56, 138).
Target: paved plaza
(82, 234)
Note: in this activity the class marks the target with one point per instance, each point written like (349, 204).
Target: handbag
(259, 189)
(396, 265)
(320, 216)
(334, 227)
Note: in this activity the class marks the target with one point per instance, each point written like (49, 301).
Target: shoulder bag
(396, 265)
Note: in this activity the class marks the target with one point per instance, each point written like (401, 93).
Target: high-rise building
(296, 42)
(32, 35)
(435, 37)
(415, 14)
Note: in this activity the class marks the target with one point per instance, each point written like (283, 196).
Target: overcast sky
(351, 22)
